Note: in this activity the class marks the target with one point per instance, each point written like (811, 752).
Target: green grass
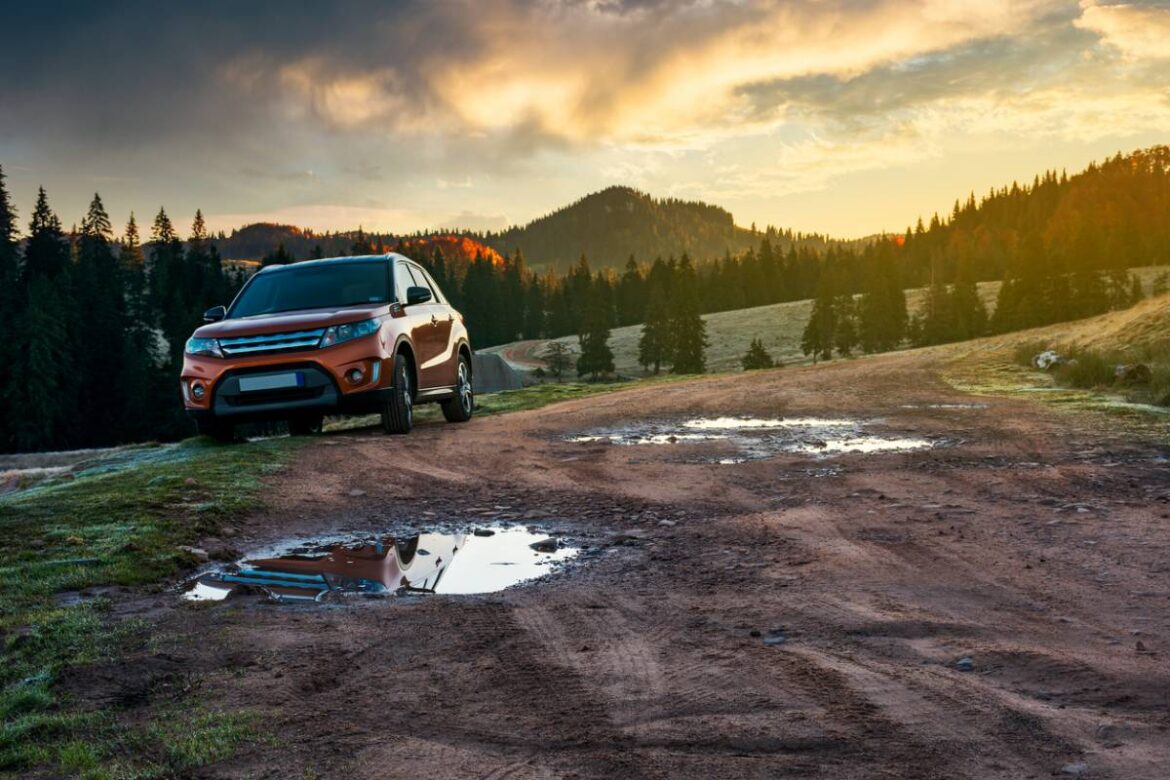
(119, 525)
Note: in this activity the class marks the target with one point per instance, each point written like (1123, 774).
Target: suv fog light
(354, 375)
(197, 391)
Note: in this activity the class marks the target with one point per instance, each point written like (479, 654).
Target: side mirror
(214, 314)
(417, 295)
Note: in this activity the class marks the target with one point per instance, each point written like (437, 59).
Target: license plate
(250, 384)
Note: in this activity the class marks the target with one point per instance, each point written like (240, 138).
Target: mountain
(606, 226)
(610, 225)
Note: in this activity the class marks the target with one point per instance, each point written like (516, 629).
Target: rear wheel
(398, 409)
(219, 430)
(459, 408)
(305, 424)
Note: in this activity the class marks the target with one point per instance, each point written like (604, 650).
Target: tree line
(92, 327)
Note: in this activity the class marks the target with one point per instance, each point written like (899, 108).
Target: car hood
(287, 321)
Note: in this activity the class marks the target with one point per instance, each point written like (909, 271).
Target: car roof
(389, 256)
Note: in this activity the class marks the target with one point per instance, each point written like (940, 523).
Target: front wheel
(459, 408)
(398, 409)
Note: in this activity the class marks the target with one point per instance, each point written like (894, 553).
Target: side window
(422, 281)
(434, 287)
(402, 280)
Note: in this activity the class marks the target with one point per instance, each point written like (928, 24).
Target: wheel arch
(405, 348)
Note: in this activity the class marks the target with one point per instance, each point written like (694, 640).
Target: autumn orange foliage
(454, 248)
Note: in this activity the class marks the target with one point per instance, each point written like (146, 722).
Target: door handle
(450, 318)
(434, 320)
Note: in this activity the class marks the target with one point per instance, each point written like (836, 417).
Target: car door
(418, 323)
(444, 322)
(426, 334)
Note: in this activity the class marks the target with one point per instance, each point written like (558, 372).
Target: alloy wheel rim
(406, 399)
(464, 387)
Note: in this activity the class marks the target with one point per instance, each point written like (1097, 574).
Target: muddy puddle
(481, 561)
(740, 439)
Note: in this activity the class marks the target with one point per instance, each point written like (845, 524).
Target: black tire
(398, 409)
(219, 430)
(305, 424)
(461, 407)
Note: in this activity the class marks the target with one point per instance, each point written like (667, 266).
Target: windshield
(314, 287)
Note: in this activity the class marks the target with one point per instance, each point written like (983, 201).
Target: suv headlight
(336, 334)
(203, 347)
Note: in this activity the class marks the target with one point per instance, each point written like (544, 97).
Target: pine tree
(42, 408)
(935, 324)
(654, 346)
(687, 329)
(47, 251)
(631, 295)
(845, 337)
(818, 337)
(278, 256)
(596, 358)
(11, 312)
(558, 357)
(101, 326)
(534, 308)
(969, 314)
(757, 357)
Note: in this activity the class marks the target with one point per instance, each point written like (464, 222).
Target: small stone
(965, 664)
(484, 532)
(357, 492)
(754, 633)
(668, 523)
(546, 545)
(190, 482)
(1078, 769)
(199, 553)
(773, 640)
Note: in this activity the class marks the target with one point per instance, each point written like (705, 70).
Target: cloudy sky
(840, 116)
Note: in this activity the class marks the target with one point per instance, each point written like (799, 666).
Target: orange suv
(348, 335)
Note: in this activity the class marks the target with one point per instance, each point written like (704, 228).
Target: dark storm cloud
(121, 74)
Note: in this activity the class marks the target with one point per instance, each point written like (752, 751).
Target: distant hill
(606, 226)
(610, 225)
(252, 242)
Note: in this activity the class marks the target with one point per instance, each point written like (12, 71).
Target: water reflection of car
(414, 564)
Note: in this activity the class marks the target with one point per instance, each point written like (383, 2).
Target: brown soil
(1035, 546)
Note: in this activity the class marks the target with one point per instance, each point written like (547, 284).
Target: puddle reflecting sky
(428, 563)
(756, 438)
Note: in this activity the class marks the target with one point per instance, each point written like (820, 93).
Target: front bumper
(318, 388)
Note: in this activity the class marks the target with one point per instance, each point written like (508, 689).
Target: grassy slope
(992, 366)
(779, 326)
(115, 524)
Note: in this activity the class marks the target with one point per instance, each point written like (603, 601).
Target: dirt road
(781, 617)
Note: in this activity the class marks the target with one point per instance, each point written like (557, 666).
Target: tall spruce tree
(11, 308)
(654, 345)
(818, 337)
(688, 330)
(596, 358)
(97, 340)
(43, 409)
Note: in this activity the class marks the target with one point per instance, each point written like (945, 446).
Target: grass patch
(107, 527)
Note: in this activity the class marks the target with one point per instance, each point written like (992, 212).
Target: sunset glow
(839, 117)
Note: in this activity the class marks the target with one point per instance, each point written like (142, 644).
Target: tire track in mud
(553, 708)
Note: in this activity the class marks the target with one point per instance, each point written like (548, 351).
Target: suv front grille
(272, 342)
